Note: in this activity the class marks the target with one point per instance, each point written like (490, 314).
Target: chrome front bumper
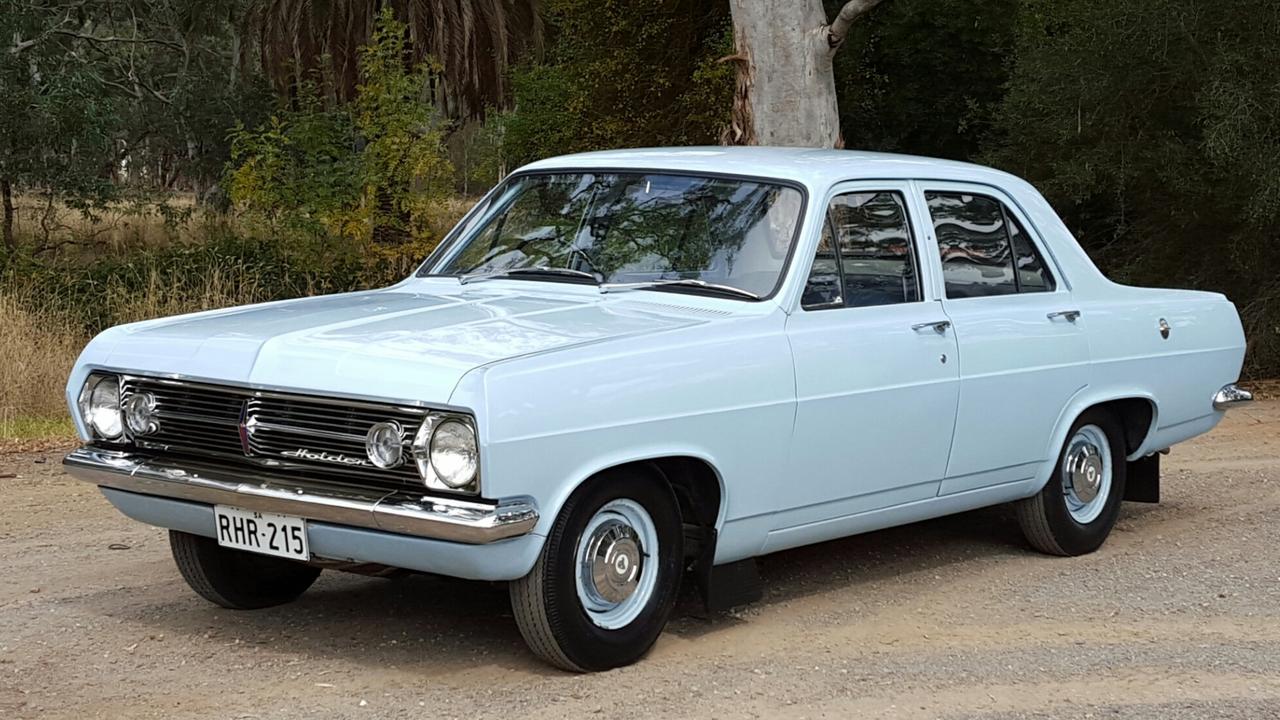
(436, 518)
(1231, 396)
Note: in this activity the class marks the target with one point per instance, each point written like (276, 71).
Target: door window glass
(973, 243)
(871, 235)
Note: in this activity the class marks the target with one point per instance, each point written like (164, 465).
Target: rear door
(1023, 350)
(876, 378)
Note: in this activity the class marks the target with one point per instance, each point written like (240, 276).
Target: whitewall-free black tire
(1078, 507)
(603, 587)
(237, 579)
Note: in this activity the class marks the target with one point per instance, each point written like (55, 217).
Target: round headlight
(100, 406)
(454, 457)
(140, 414)
(384, 444)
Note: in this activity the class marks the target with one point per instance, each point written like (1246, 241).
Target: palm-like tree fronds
(475, 41)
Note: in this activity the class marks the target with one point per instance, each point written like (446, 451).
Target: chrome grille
(267, 430)
(193, 416)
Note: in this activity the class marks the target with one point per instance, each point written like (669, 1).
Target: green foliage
(623, 74)
(403, 167)
(58, 127)
(117, 103)
(1154, 127)
(223, 265)
(924, 76)
(482, 150)
(301, 166)
(351, 170)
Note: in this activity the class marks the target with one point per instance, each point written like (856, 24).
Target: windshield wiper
(681, 282)
(546, 271)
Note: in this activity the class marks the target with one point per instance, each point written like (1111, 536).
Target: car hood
(399, 343)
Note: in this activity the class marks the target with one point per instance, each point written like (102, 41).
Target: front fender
(724, 395)
(597, 464)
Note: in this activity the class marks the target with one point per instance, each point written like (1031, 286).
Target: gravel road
(1178, 616)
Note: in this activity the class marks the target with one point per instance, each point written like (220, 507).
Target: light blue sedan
(626, 370)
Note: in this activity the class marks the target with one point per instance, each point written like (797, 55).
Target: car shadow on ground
(424, 623)
(863, 560)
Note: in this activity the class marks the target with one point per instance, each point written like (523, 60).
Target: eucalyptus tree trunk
(786, 89)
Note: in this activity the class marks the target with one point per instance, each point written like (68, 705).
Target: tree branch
(20, 45)
(115, 39)
(852, 10)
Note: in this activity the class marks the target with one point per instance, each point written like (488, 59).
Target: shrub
(374, 169)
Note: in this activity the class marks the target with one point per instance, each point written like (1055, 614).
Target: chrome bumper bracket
(437, 518)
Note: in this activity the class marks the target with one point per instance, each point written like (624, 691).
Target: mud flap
(1142, 481)
(725, 586)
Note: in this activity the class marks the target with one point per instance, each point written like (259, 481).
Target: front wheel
(237, 579)
(1074, 513)
(604, 585)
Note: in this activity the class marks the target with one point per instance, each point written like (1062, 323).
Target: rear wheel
(1077, 508)
(237, 579)
(603, 587)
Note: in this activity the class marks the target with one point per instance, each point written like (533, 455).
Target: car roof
(809, 166)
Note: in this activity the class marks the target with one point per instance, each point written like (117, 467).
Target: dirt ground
(1178, 616)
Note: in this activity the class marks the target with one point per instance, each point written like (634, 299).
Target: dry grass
(1264, 389)
(39, 342)
(67, 231)
(36, 354)
(40, 346)
(217, 289)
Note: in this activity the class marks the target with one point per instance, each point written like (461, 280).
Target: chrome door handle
(1069, 315)
(939, 326)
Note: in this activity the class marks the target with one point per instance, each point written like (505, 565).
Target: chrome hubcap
(616, 563)
(615, 558)
(1086, 473)
(1085, 467)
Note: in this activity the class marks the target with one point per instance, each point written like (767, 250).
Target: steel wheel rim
(1086, 474)
(616, 564)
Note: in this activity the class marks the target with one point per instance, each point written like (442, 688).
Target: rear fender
(1086, 398)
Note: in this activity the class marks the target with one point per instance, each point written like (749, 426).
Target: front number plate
(267, 533)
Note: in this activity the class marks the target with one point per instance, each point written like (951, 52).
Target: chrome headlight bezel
(384, 444)
(140, 414)
(424, 449)
(104, 420)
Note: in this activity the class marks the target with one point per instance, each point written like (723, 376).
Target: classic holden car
(627, 370)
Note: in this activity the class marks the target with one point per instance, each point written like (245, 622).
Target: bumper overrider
(1230, 396)
(445, 519)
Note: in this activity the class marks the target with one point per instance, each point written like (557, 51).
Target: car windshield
(674, 231)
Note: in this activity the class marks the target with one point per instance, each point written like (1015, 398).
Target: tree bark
(786, 89)
(6, 192)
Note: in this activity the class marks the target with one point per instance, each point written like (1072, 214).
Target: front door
(875, 360)
(1023, 350)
